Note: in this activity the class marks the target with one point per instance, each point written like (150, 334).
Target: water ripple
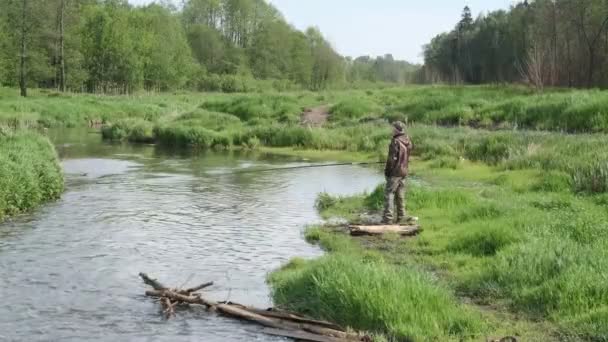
(70, 270)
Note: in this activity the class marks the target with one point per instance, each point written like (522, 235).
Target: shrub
(133, 130)
(325, 201)
(198, 137)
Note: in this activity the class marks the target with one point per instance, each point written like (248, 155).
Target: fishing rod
(300, 167)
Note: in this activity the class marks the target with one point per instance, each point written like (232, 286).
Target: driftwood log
(275, 322)
(412, 230)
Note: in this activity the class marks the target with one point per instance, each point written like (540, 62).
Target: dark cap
(400, 126)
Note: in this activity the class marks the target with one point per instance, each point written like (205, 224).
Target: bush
(192, 136)
(325, 201)
(133, 130)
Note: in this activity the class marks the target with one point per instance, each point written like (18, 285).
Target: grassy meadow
(503, 252)
(510, 185)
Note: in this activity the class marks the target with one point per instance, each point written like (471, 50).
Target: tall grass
(479, 107)
(362, 291)
(518, 237)
(30, 173)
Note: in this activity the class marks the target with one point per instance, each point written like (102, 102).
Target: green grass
(519, 240)
(358, 123)
(479, 107)
(361, 290)
(30, 173)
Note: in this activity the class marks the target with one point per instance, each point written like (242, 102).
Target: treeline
(542, 43)
(110, 46)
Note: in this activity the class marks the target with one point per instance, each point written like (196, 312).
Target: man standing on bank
(396, 171)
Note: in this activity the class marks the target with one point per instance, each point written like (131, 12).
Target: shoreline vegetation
(511, 188)
(30, 173)
(503, 252)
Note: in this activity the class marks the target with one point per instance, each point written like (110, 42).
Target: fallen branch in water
(276, 322)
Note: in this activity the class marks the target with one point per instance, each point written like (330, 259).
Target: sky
(377, 27)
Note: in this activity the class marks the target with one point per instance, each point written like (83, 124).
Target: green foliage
(592, 178)
(483, 240)
(519, 237)
(446, 163)
(30, 173)
(184, 135)
(248, 108)
(133, 130)
(354, 108)
(503, 46)
(113, 47)
(553, 181)
(375, 200)
(325, 201)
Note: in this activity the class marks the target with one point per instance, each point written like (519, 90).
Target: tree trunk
(23, 63)
(591, 67)
(569, 61)
(554, 72)
(61, 47)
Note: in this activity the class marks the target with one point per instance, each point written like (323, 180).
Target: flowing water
(69, 270)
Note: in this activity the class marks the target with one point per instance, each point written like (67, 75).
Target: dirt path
(315, 117)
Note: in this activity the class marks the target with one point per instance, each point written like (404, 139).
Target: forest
(556, 43)
(110, 46)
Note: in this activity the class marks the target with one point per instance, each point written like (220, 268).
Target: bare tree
(533, 69)
(591, 35)
(61, 46)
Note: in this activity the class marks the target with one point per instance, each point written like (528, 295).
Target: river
(69, 269)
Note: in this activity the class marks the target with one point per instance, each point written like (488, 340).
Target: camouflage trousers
(394, 197)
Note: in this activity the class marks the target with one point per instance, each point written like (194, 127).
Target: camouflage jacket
(398, 156)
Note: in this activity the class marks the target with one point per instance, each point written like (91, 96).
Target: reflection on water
(70, 269)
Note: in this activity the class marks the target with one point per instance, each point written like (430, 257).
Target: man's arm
(390, 159)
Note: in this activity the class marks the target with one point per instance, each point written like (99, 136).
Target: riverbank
(490, 107)
(357, 124)
(500, 248)
(30, 173)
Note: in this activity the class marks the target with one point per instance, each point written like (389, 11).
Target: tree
(109, 49)
(4, 47)
(111, 46)
(25, 28)
(591, 19)
(467, 19)
(62, 45)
